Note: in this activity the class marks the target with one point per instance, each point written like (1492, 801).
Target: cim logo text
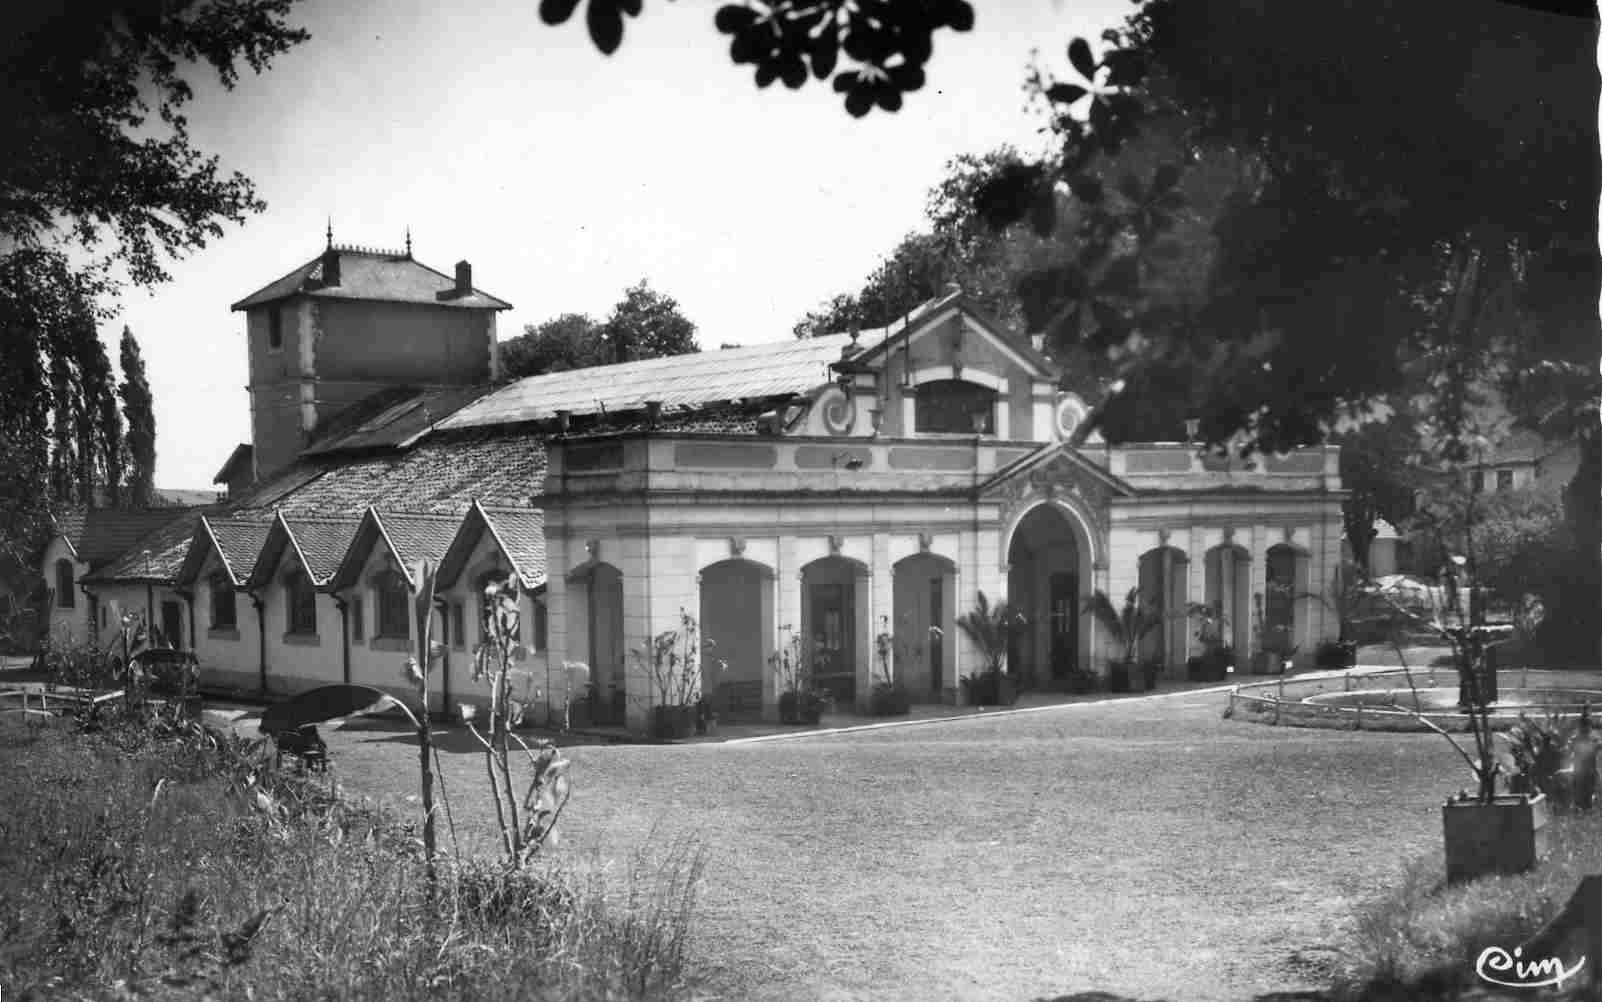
(1510, 970)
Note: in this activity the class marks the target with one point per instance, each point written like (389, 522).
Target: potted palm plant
(990, 627)
(1126, 627)
(1213, 632)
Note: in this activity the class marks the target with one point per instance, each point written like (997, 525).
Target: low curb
(983, 714)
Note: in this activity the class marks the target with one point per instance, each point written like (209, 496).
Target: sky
(565, 176)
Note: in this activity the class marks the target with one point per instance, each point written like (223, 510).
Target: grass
(1147, 848)
(1420, 938)
(150, 867)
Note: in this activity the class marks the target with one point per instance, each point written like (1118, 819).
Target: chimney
(464, 278)
(330, 266)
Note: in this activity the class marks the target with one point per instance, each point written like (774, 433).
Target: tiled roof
(239, 542)
(374, 275)
(783, 368)
(323, 541)
(522, 539)
(100, 535)
(442, 474)
(391, 418)
(167, 547)
(419, 537)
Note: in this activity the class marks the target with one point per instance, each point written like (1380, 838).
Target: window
(539, 625)
(1477, 481)
(952, 406)
(275, 329)
(358, 619)
(301, 599)
(1504, 480)
(458, 625)
(392, 598)
(222, 604)
(66, 598)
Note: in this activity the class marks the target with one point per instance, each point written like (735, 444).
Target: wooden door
(172, 623)
(1064, 589)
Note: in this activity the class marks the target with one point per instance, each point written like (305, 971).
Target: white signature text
(1495, 966)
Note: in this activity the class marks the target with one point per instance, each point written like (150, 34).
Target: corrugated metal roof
(759, 371)
(373, 275)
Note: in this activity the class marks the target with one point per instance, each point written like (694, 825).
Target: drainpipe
(261, 635)
(343, 605)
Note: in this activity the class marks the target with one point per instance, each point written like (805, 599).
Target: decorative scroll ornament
(925, 540)
(1069, 414)
(736, 546)
(836, 544)
(839, 411)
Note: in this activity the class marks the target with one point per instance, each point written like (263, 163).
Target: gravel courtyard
(1147, 848)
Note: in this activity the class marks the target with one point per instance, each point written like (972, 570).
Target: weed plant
(182, 865)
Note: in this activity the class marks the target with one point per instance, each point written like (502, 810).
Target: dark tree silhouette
(139, 409)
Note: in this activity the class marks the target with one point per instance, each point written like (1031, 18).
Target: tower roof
(367, 273)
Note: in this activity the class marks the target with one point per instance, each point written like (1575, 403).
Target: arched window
(301, 600)
(954, 406)
(66, 597)
(391, 602)
(222, 604)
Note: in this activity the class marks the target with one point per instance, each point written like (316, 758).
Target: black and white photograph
(818, 500)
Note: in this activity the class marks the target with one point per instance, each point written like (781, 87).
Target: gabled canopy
(519, 535)
(315, 541)
(407, 537)
(929, 317)
(237, 543)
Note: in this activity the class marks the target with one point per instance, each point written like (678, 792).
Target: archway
(1048, 580)
(1163, 574)
(1284, 590)
(924, 598)
(736, 632)
(834, 612)
(1228, 573)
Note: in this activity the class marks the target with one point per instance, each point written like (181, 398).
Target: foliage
(674, 663)
(889, 696)
(1521, 537)
(1419, 938)
(182, 865)
(991, 627)
(885, 45)
(138, 408)
(643, 324)
(1212, 626)
(525, 824)
(1127, 626)
(1379, 471)
(417, 668)
(1541, 749)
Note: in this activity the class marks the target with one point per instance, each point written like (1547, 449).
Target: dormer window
(955, 407)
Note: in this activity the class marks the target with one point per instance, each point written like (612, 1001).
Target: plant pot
(672, 723)
(1507, 835)
(1336, 654)
(1198, 669)
(1149, 674)
(1081, 682)
(799, 708)
(1263, 663)
(1120, 677)
(1006, 690)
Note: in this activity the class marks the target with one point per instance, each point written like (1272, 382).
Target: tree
(646, 324)
(570, 341)
(137, 407)
(885, 45)
(99, 161)
(1379, 467)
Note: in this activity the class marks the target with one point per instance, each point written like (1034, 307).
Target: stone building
(834, 490)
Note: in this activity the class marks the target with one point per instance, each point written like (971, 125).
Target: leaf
(1125, 67)
(1064, 93)
(1083, 61)
(825, 53)
(606, 25)
(731, 19)
(557, 11)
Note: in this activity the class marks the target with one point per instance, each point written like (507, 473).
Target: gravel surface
(1145, 848)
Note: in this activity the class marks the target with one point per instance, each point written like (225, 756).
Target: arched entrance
(736, 633)
(1228, 571)
(834, 611)
(924, 610)
(1163, 574)
(1284, 589)
(1048, 580)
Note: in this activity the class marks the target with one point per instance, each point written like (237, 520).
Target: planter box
(1508, 835)
(672, 723)
(1122, 677)
(578, 712)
